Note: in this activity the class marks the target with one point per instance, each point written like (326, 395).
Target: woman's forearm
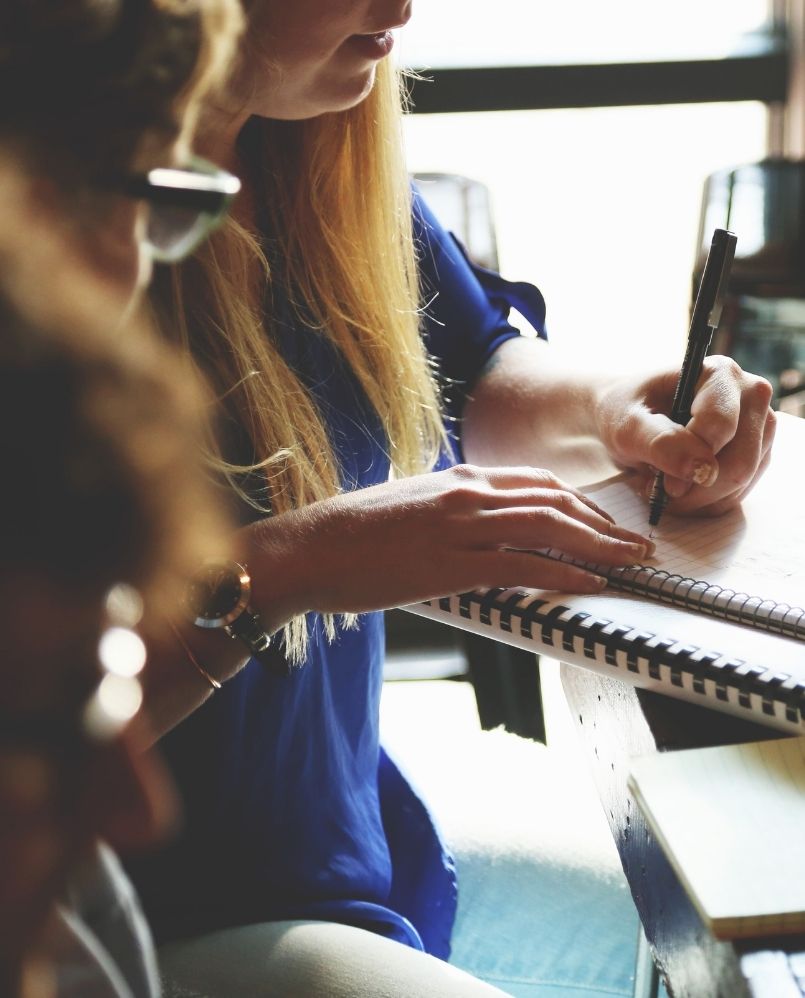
(174, 682)
(530, 407)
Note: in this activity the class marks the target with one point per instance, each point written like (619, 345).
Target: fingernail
(598, 582)
(637, 550)
(704, 473)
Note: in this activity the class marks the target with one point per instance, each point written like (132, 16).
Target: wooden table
(617, 723)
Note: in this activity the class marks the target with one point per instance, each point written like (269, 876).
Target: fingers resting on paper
(711, 464)
(432, 535)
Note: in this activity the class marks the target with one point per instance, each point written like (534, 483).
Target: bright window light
(476, 32)
(599, 208)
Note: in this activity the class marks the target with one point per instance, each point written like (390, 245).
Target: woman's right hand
(431, 535)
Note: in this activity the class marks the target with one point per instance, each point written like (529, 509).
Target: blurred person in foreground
(103, 512)
(103, 509)
(98, 108)
(98, 105)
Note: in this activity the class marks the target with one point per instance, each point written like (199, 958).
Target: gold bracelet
(214, 683)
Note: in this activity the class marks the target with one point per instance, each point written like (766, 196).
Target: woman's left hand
(710, 464)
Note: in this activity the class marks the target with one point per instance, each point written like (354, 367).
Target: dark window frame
(759, 69)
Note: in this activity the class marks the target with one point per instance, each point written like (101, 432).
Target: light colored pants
(309, 960)
(544, 910)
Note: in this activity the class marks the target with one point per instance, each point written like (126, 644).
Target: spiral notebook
(730, 821)
(716, 617)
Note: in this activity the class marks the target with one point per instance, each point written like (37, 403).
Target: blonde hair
(336, 206)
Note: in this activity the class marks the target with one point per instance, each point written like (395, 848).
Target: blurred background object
(464, 206)
(763, 324)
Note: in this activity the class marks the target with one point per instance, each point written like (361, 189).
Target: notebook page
(758, 549)
(731, 820)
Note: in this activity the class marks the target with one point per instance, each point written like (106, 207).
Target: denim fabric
(544, 910)
(544, 930)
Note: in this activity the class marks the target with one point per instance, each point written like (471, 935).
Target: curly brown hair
(101, 431)
(85, 83)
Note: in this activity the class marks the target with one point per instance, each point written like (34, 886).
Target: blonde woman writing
(313, 317)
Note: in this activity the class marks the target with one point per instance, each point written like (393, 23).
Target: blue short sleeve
(466, 307)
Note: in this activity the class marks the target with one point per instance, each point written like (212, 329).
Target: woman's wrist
(179, 656)
(210, 680)
(277, 565)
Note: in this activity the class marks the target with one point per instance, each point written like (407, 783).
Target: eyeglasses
(186, 205)
(113, 700)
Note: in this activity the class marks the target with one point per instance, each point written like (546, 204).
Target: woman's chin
(328, 98)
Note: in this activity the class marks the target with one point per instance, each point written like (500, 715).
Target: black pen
(704, 322)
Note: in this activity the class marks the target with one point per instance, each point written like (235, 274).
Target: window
(471, 33)
(598, 205)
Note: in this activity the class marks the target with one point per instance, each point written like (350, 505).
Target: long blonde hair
(336, 203)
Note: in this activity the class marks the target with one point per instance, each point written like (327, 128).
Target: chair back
(763, 323)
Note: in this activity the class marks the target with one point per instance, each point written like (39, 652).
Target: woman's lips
(376, 46)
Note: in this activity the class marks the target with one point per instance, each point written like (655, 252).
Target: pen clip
(714, 317)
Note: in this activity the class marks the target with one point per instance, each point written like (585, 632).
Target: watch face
(218, 594)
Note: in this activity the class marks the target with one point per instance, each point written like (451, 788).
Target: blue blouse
(292, 809)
